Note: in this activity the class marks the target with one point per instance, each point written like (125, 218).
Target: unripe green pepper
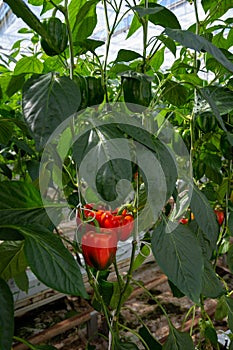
(95, 91)
(136, 89)
(206, 122)
(82, 84)
(57, 32)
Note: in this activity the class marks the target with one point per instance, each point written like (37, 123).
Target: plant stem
(70, 39)
(137, 335)
(156, 300)
(129, 277)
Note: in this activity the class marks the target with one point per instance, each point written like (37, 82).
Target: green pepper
(82, 84)
(136, 89)
(206, 122)
(57, 31)
(226, 147)
(95, 91)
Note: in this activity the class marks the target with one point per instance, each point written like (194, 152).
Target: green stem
(70, 39)
(129, 278)
(157, 302)
(136, 334)
(119, 279)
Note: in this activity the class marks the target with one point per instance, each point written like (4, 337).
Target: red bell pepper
(99, 249)
(220, 216)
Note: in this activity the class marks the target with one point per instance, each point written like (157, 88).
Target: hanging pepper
(136, 89)
(99, 248)
(95, 91)
(57, 32)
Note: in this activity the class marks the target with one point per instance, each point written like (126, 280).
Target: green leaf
(47, 101)
(230, 257)
(107, 164)
(85, 21)
(216, 8)
(127, 55)
(15, 84)
(51, 261)
(28, 65)
(122, 345)
(198, 43)
(168, 43)
(164, 18)
(204, 216)
(141, 257)
(21, 204)
(185, 263)
(6, 316)
(178, 341)
(210, 333)
(6, 130)
(175, 93)
(81, 47)
(230, 223)
(149, 339)
(157, 60)
(117, 293)
(229, 303)
(221, 309)
(13, 260)
(211, 285)
(22, 281)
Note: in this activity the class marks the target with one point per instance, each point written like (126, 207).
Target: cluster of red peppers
(99, 244)
(220, 216)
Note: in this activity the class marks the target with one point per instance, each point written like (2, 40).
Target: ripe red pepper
(220, 216)
(99, 249)
(127, 225)
(184, 221)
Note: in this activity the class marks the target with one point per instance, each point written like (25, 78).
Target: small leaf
(204, 216)
(230, 257)
(6, 316)
(22, 281)
(210, 333)
(175, 93)
(221, 309)
(6, 130)
(141, 257)
(211, 285)
(230, 224)
(122, 345)
(13, 260)
(127, 56)
(85, 21)
(116, 295)
(28, 65)
(51, 261)
(229, 303)
(178, 341)
(82, 47)
(149, 339)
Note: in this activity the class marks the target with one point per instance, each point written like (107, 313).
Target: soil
(142, 308)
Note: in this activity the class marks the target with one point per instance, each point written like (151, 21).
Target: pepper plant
(68, 111)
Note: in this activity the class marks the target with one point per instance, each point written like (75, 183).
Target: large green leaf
(127, 55)
(13, 260)
(160, 150)
(102, 162)
(51, 261)
(21, 204)
(178, 341)
(211, 285)
(185, 264)
(6, 316)
(204, 216)
(198, 43)
(48, 100)
(85, 20)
